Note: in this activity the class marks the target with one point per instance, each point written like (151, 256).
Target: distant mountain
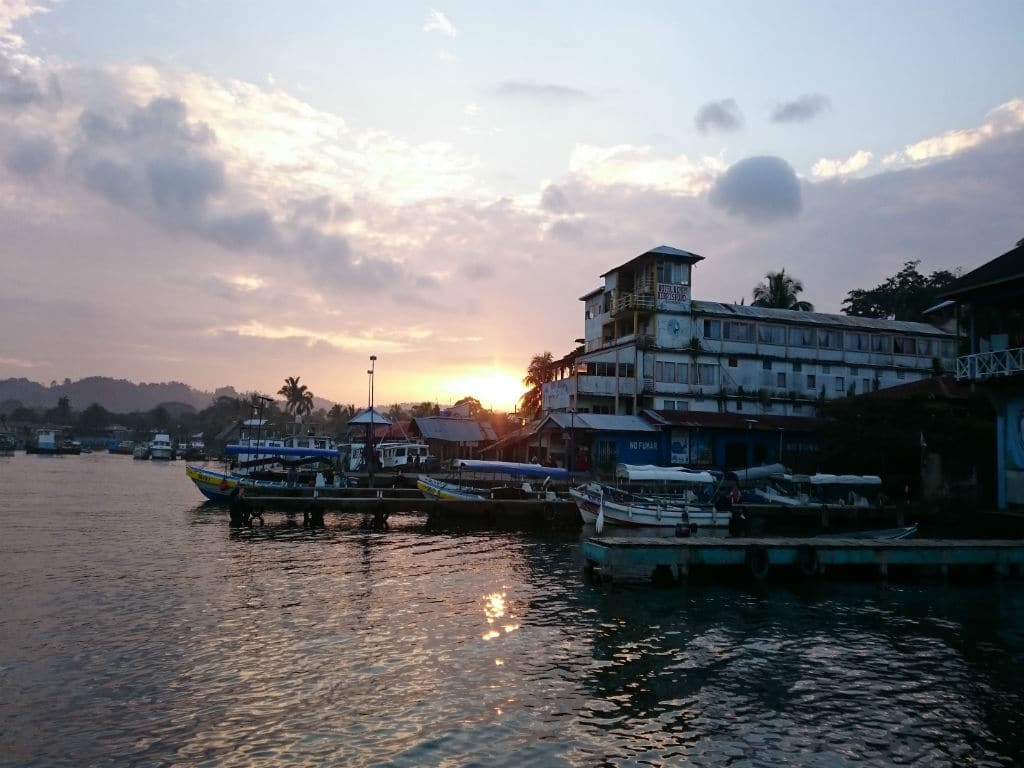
(116, 395)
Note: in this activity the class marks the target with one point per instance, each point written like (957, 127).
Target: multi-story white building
(649, 345)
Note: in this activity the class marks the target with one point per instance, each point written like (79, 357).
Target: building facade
(649, 345)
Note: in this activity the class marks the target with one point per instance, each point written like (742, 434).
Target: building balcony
(988, 365)
(629, 302)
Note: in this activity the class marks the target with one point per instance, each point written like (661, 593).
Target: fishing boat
(673, 499)
(49, 443)
(224, 485)
(508, 480)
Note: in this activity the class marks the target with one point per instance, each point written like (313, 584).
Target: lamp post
(572, 442)
(370, 461)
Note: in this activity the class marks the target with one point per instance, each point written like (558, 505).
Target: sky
(230, 193)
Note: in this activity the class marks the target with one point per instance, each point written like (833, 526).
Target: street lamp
(369, 445)
(572, 443)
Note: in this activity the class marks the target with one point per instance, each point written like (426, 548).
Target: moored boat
(218, 485)
(160, 447)
(470, 478)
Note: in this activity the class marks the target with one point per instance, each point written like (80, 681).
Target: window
(881, 344)
(705, 374)
(797, 367)
(671, 373)
(771, 334)
(766, 365)
(826, 369)
(948, 349)
(712, 329)
(674, 273)
(739, 405)
(829, 339)
(733, 362)
(677, 405)
(780, 380)
(735, 331)
(626, 370)
(903, 345)
(801, 337)
(812, 381)
(857, 342)
(865, 385)
(840, 384)
(927, 348)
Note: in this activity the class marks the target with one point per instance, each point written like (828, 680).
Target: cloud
(543, 92)
(802, 109)
(758, 189)
(30, 155)
(447, 57)
(1004, 119)
(723, 115)
(553, 200)
(825, 168)
(438, 22)
(638, 166)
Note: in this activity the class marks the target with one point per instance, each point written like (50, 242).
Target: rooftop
(662, 250)
(1003, 273)
(745, 312)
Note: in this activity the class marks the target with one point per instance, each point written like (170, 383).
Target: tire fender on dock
(757, 561)
(807, 560)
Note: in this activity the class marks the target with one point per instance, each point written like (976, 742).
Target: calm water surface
(137, 629)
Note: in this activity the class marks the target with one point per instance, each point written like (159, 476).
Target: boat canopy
(639, 472)
(234, 449)
(514, 468)
(761, 473)
(846, 480)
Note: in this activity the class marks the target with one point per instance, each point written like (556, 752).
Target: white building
(649, 345)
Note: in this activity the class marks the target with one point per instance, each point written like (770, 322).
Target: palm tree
(298, 398)
(539, 372)
(779, 290)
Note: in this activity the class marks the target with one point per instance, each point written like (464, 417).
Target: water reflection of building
(990, 301)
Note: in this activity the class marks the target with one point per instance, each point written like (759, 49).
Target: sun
(497, 389)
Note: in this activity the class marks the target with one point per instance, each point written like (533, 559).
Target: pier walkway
(631, 559)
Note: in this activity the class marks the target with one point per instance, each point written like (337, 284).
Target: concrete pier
(619, 559)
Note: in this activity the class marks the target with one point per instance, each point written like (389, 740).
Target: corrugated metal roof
(1001, 269)
(454, 430)
(364, 418)
(661, 250)
(598, 421)
(744, 312)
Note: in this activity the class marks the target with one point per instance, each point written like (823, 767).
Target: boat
(845, 490)
(160, 447)
(884, 534)
(141, 451)
(8, 442)
(513, 481)
(654, 497)
(224, 485)
(601, 504)
(396, 455)
(48, 442)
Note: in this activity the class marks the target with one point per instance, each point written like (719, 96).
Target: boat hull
(589, 500)
(439, 490)
(216, 485)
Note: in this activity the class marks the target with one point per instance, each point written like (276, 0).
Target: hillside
(116, 395)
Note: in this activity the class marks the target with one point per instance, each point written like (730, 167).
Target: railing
(627, 302)
(986, 365)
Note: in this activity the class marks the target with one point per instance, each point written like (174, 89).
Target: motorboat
(160, 447)
(479, 480)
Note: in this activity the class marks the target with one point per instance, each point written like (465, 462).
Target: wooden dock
(381, 503)
(621, 559)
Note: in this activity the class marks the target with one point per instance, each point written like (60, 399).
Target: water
(136, 628)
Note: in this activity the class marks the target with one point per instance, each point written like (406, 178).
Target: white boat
(161, 448)
(397, 455)
(656, 498)
(256, 450)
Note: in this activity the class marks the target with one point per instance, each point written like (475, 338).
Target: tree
(422, 410)
(904, 296)
(298, 398)
(94, 420)
(396, 412)
(780, 291)
(475, 408)
(539, 372)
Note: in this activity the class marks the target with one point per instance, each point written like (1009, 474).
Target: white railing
(985, 365)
